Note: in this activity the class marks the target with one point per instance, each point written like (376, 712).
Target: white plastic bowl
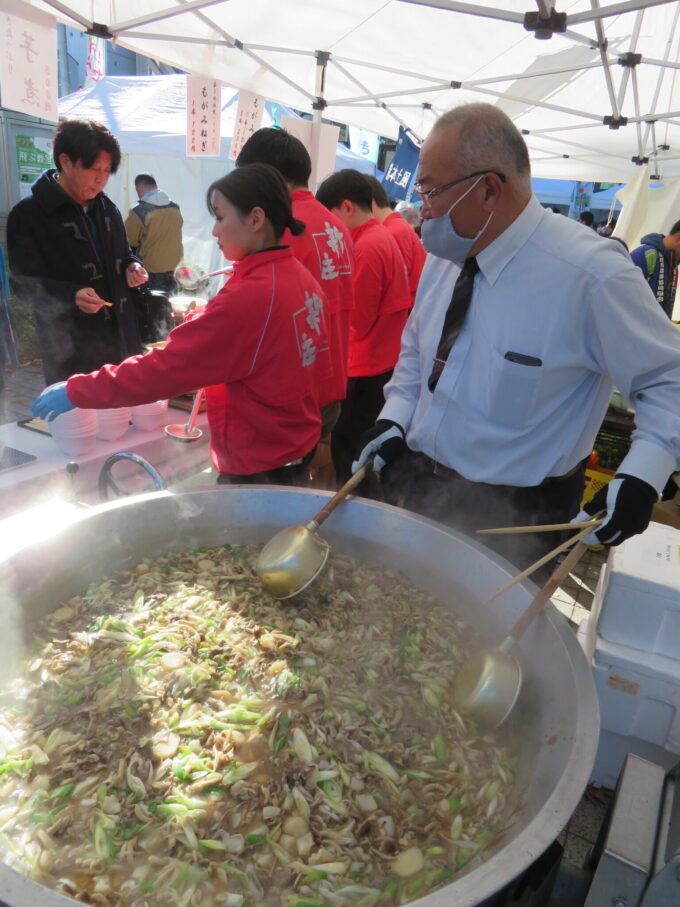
(149, 416)
(75, 447)
(75, 421)
(75, 432)
(113, 423)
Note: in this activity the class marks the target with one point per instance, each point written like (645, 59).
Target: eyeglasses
(433, 193)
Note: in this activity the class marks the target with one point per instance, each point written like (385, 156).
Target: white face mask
(439, 236)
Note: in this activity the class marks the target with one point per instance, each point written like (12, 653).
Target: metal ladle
(189, 431)
(189, 278)
(488, 684)
(295, 556)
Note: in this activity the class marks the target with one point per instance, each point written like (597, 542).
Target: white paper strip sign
(248, 120)
(204, 113)
(28, 59)
(95, 65)
(328, 145)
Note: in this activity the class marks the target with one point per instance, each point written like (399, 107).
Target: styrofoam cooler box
(639, 698)
(638, 604)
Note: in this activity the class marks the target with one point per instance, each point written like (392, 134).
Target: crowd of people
(474, 378)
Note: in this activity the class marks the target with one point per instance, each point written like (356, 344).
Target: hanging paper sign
(95, 67)
(323, 161)
(28, 59)
(402, 169)
(248, 120)
(204, 111)
(365, 143)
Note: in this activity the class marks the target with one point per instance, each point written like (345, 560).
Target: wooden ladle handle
(544, 594)
(339, 496)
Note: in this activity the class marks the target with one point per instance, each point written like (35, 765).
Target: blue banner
(402, 169)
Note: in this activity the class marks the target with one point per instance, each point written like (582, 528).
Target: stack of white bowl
(75, 432)
(113, 423)
(149, 416)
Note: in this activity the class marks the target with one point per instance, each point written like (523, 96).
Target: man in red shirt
(383, 301)
(327, 251)
(412, 250)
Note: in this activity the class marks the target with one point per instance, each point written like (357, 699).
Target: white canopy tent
(601, 91)
(148, 117)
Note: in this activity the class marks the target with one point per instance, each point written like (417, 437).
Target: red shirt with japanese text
(259, 349)
(326, 249)
(382, 301)
(411, 248)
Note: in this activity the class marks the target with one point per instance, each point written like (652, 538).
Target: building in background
(75, 50)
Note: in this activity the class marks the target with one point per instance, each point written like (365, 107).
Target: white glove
(385, 440)
(628, 502)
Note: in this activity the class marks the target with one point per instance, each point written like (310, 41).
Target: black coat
(53, 253)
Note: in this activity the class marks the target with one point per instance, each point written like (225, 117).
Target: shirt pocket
(512, 391)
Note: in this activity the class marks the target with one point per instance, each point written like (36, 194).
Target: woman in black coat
(70, 259)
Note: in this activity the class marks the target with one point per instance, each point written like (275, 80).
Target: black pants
(360, 409)
(467, 506)
(295, 474)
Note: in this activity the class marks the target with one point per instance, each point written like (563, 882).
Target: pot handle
(106, 480)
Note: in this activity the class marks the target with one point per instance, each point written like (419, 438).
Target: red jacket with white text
(411, 248)
(260, 350)
(382, 301)
(327, 250)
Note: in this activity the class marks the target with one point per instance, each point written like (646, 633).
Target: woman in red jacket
(259, 348)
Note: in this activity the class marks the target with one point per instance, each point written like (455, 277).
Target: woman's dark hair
(84, 140)
(259, 186)
(344, 185)
(280, 149)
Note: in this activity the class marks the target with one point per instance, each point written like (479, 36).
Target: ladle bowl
(488, 684)
(291, 560)
(296, 555)
(189, 278)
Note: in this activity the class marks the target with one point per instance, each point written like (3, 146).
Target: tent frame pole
(318, 106)
(162, 14)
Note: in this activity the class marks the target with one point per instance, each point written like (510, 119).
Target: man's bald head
(485, 138)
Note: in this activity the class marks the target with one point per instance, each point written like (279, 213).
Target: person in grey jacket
(154, 229)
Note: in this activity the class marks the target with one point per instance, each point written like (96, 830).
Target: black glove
(628, 502)
(385, 441)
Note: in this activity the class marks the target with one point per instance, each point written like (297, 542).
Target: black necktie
(453, 320)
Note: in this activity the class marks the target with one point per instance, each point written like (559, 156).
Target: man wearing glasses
(523, 322)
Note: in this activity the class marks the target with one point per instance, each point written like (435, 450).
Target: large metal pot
(557, 712)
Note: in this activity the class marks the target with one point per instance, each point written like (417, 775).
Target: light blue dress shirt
(571, 300)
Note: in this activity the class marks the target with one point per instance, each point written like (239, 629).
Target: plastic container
(113, 423)
(637, 603)
(639, 697)
(149, 416)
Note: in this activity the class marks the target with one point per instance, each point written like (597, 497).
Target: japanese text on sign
(204, 112)
(248, 120)
(28, 59)
(401, 171)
